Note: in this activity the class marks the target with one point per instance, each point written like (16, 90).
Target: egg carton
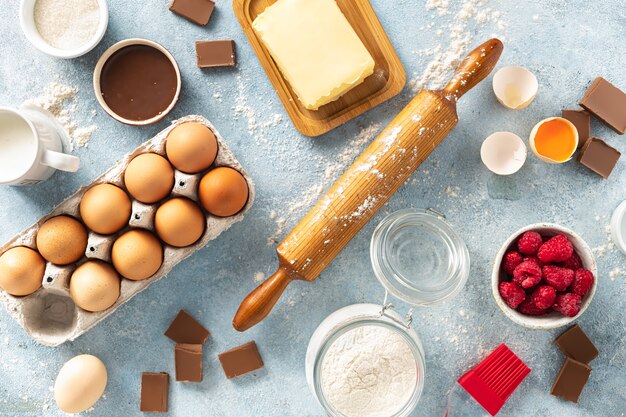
(49, 315)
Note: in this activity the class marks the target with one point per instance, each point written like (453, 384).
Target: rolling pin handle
(260, 302)
(474, 68)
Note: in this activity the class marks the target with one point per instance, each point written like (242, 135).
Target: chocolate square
(575, 344)
(607, 103)
(582, 121)
(599, 157)
(216, 54)
(185, 329)
(571, 380)
(241, 360)
(188, 361)
(154, 392)
(196, 11)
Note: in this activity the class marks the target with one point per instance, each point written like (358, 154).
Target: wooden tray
(387, 80)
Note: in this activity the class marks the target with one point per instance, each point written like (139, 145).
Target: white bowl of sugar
(64, 28)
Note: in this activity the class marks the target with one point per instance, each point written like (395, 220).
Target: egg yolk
(555, 140)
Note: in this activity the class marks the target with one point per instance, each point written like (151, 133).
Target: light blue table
(566, 45)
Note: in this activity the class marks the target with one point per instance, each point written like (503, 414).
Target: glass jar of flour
(366, 360)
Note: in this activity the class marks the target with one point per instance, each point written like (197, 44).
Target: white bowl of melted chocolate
(137, 81)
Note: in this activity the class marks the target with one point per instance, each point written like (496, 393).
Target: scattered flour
(259, 276)
(58, 99)
(445, 58)
(369, 371)
(334, 168)
(257, 129)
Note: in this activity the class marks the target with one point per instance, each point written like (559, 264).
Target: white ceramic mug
(31, 146)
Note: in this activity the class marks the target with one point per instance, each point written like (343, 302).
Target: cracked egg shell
(503, 153)
(515, 87)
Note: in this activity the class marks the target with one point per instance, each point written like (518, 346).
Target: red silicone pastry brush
(489, 384)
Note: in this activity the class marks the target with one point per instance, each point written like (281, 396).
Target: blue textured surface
(566, 45)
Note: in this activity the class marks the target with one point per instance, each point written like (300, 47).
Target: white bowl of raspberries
(544, 276)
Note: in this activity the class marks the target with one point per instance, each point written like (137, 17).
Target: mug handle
(60, 161)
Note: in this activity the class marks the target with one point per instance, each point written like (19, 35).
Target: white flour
(67, 24)
(465, 22)
(369, 371)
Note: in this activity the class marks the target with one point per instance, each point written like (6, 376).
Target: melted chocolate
(138, 82)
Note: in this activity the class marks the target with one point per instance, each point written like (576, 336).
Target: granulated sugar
(468, 20)
(58, 99)
(67, 24)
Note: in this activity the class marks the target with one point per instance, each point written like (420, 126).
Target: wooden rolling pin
(371, 180)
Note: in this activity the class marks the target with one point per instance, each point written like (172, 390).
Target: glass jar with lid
(366, 360)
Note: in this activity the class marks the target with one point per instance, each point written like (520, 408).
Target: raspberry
(529, 243)
(574, 263)
(512, 294)
(567, 304)
(559, 278)
(530, 309)
(543, 297)
(583, 281)
(527, 274)
(510, 261)
(533, 259)
(557, 249)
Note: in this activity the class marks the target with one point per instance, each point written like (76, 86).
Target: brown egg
(223, 191)
(179, 222)
(137, 254)
(21, 271)
(149, 178)
(105, 208)
(95, 286)
(191, 147)
(62, 240)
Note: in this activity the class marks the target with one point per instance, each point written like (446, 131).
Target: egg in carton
(50, 315)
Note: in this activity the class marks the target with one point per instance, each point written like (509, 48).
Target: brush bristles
(502, 371)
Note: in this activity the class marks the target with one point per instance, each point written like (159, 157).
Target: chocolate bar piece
(196, 11)
(582, 121)
(215, 54)
(185, 329)
(575, 344)
(571, 380)
(607, 103)
(599, 157)
(154, 392)
(241, 360)
(188, 360)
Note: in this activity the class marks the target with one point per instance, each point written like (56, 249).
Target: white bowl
(554, 319)
(618, 227)
(27, 22)
(98, 70)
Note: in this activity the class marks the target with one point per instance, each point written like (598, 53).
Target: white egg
(80, 383)
(503, 153)
(515, 87)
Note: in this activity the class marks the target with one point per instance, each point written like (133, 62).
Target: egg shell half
(503, 153)
(80, 383)
(515, 87)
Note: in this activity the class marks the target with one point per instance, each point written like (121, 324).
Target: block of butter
(315, 48)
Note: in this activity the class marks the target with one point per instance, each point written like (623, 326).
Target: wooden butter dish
(387, 80)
